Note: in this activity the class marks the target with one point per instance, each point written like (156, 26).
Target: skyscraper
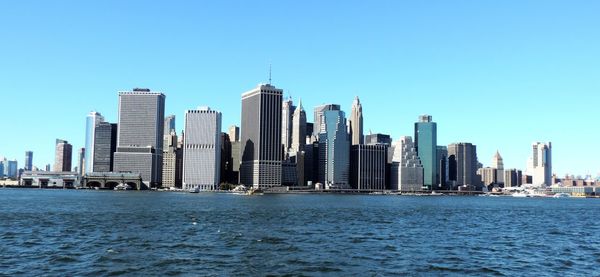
(498, 164)
(463, 165)
(426, 145)
(287, 111)
(140, 135)
(261, 150)
(356, 123)
(368, 166)
(105, 146)
(407, 171)
(378, 139)
(442, 167)
(540, 165)
(169, 170)
(298, 129)
(12, 169)
(63, 156)
(234, 133)
(92, 121)
(80, 166)
(202, 149)
(334, 150)
(28, 161)
(318, 113)
(169, 125)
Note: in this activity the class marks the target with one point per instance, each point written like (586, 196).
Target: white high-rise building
(356, 123)
(92, 120)
(298, 129)
(498, 164)
(287, 111)
(407, 171)
(540, 164)
(202, 149)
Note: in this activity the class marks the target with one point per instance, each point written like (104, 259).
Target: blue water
(69, 232)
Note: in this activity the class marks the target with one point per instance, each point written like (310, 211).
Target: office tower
(63, 156)
(202, 149)
(12, 169)
(179, 161)
(378, 139)
(235, 162)
(287, 111)
(234, 133)
(426, 144)
(334, 150)
(105, 146)
(261, 149)
(226, 164)
(407, 171)
(498, 164)
(140, 135)
(47, 167)
(289, 172)
(80, 167)
(2, 166)
(463, 165)
(298, 129)
(540, 164)
(318, 113)
(92, 121)
(442, 167)
(309, 132)
(368, 166)
(28, 161)
(169, 125)
(488, 175)
(356, 123)
(513, 178)
(169, 169)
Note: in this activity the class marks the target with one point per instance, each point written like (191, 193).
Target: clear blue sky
(500, 74)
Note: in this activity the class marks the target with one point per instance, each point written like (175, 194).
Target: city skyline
(500, 84)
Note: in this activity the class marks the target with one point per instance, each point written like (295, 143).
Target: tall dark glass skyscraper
(105, 145)
(28, 161)
(140, 135)
(261, 148)
(334, 150)
(426, 144)
(462, 165)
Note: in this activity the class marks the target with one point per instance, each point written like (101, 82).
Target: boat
(520, 194)
(254, 191)
(123, 187)
(561, 195)
(239, 190)
(194, 190)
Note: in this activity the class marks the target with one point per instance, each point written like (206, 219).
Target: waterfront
(83, 232)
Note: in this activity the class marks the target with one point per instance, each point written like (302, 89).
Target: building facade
(513, 178)
(261, 150)
(169, 125)
(334, 150)
(318, 117)
(202, 149)
(140, 135)
(91, 122)
(356, 123)
(105, 146)
(368, 166)
(169, 170)
(63, 156)
(463, 165)
(407, 171)
(287, 112)
(426, 145)
(234, 133)
(540, 164)
(28, 161)
(298, 129)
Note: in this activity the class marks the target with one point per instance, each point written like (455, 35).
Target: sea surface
(107, 233)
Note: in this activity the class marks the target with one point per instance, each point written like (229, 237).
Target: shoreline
(322, 192)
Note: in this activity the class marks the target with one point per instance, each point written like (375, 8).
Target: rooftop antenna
(269, 73)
